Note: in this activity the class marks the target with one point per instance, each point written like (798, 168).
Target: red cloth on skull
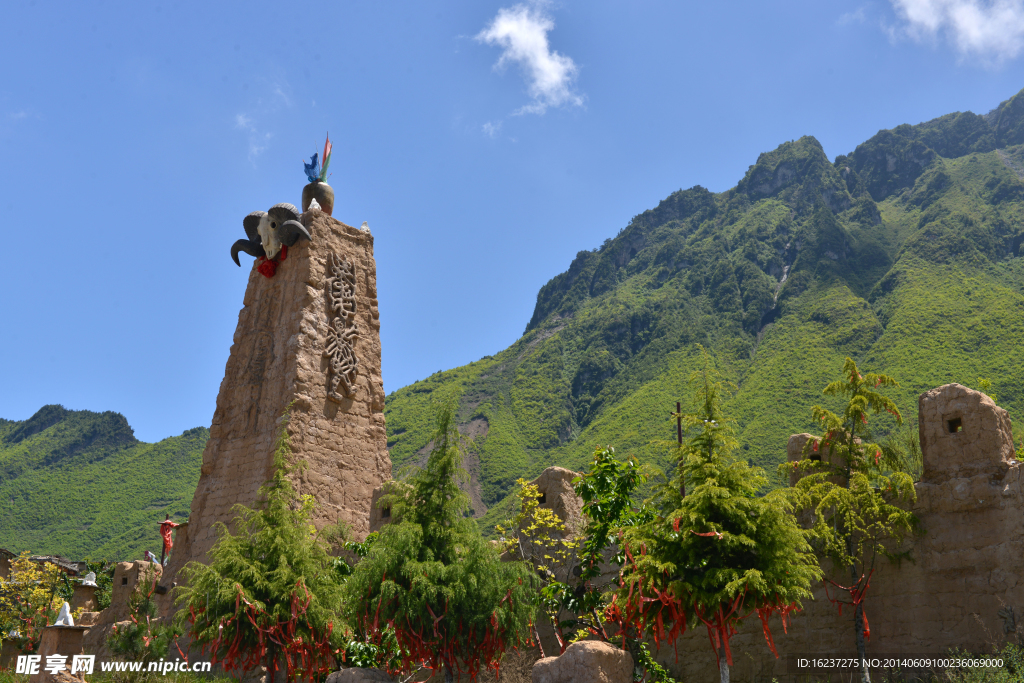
(268, 267)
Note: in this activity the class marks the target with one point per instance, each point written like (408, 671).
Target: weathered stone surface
(357, 675)
(278, 360)
(59, 640)
(586, 662)
(555, 485)
(968, 433)
(84, 598)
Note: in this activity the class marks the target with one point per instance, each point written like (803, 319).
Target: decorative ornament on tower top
(318, 189)
(314, 172)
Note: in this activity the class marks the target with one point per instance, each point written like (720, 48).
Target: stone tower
(309, 338)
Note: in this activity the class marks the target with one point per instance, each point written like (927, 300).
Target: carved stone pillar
(280, 357)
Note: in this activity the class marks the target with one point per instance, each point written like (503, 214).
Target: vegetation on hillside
(906, 255)
(78, 484)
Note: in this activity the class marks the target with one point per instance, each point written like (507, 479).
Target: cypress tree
(271, 591)
(720, 554)
(431, 579)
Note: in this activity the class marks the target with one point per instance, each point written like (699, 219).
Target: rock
(357, 675)
(555, 487)
(314, 205)
(90, 580)
(586, 662)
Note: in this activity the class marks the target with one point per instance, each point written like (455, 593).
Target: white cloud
(491, 128)
(990, 29)
(855, 17)
(258, 140)
(522, 33)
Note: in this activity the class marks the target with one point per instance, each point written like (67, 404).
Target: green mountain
(79, 484)
(905, 254)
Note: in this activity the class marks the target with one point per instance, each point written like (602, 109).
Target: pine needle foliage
(432, 580)
(720, 554)
(859, 511)
(271, 591)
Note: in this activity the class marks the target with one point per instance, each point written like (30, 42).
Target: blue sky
(484, 142)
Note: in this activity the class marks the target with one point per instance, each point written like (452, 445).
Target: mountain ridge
(803, 262)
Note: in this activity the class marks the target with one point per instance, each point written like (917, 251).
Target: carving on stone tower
(341, 328)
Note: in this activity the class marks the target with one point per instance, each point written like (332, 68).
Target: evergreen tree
(721, 553)
(432, 580)
(856, 517)
(271, 590)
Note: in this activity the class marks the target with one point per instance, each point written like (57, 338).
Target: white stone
(314, 205)
(64, 618)
(90, 580)
(365, 227)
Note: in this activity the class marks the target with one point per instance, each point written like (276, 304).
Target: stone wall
(965, 576)
(278, 360)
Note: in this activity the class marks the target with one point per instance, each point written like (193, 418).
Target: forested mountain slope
(79, 484)
(905, 254)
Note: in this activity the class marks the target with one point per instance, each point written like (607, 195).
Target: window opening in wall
(815, 457)
(385, 513)
(542, 498)
(124, 580)
(955, 425)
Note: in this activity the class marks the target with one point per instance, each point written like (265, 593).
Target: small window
(385, 513)
(815, 457)
(124, 580)
(955, 425)
(542, 498)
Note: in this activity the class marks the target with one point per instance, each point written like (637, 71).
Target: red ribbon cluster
(268, 267)
(439, 647)
(661, 610)
(311, 655)
(857, 592)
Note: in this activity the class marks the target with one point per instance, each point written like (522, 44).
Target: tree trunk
(272, 656)
(723, 663)
(448, 674)
(536, 636)
(858, 622)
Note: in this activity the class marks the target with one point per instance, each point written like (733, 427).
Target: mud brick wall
(966, 571)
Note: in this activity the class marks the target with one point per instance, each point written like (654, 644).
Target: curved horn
(284, 212)
(291, 232)
(250, 223)
(254, 249)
